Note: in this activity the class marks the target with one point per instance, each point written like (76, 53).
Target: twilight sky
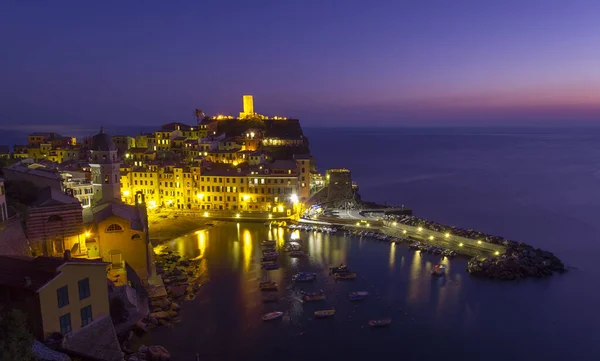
(419, 62)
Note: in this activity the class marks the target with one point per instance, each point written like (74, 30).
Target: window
(84, 288)
(135, 237)
(65, 323)
(86, 315)
(114, 228)
(63, 296)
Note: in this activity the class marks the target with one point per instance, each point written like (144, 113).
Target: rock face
(519, 261)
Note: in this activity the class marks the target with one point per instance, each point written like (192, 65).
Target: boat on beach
(344, 276)
(268, 286)
(358, 295)
(438, 270)
(324, 313)
(272, 315)
(384, 322)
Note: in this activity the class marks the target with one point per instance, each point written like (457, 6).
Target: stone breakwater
(519, 261)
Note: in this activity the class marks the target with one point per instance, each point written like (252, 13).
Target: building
(53, 223)
(123, 143)
(59, 295)
(248, 104)
(77, 185)
(116, 232)
(104, 166)
(304, 168)
(3, 206)
(4, 152)
(339, 185)
(38, 175)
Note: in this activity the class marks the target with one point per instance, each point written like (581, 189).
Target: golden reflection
(235, 252)
(247, 249)
(201, 243)
(416, 270)
(392, 256)
(280, 237)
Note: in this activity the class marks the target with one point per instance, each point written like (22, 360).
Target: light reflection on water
(228, 308)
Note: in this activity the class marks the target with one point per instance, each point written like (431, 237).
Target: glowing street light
(419, 229)
(447, 235)
(87, 234)
(460, 244)
(404, 231)
(478, 242)
(294, 198)
(205, 214)
(394, 224)
(237, 215)
(496, 253)
(431, 238)
(126, 193)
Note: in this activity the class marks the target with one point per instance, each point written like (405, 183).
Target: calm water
(536, 185)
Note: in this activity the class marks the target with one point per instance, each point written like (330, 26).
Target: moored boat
(268, 286)
(345, 276)
(272, 315)
(270, 266)
(268, 243)
(313, 296)
(381, 322)
(304, 277)
(438, 270)
(358, 296)
(324, 313)
(296, 254)
(341, 269)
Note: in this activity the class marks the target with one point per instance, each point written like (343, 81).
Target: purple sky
(325, 62)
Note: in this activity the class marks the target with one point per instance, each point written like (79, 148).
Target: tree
(15, 339)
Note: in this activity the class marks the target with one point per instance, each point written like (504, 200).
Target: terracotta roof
(34, 273)
(53, 197)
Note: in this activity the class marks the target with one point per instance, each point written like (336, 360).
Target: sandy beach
(164, 227)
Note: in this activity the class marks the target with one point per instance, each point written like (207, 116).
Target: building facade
(59, 295)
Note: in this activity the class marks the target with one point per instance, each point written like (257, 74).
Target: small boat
(324, 313)
(268, 286)
(380, 323)
(358, 296)
(345, 276)
(341, 269)
(270, 266)
(270, 298)
(438, 270)
(314, 296)
(297, 254)
(210, 224)
(269, 251)
(268, 243)
(304, 277)
(272, 315)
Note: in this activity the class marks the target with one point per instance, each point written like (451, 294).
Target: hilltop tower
(105, 169)
(248, 103)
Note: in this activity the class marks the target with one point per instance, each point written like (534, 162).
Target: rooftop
(34, 273)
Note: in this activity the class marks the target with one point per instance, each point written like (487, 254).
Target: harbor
(228, 306)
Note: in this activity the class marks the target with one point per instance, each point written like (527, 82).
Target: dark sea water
(540, 186)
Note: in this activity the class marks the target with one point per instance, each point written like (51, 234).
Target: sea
(536, 185)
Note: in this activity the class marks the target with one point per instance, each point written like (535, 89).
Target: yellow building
(248, 103)
(59, 295)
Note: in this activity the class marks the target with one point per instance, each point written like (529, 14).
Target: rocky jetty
(519, 261)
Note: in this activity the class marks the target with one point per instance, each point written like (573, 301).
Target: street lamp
(294, 198)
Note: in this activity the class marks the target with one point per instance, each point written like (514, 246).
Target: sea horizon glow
(333, 63)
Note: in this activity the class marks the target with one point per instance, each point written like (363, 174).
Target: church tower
(105, 168)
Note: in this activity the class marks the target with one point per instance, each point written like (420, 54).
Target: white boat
(272, 315)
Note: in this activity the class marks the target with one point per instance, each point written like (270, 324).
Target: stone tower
(105, 168)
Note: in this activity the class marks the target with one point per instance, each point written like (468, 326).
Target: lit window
(114, 228)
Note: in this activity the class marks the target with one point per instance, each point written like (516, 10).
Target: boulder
(175, 307)
(141, 326)
(153, 321)
(177, 291)
(159, 315)
(143, 349)
(157, 353)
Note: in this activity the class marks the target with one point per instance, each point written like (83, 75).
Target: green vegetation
(15, 339)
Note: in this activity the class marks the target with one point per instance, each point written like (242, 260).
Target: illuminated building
(105, 170)
(248, 103)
